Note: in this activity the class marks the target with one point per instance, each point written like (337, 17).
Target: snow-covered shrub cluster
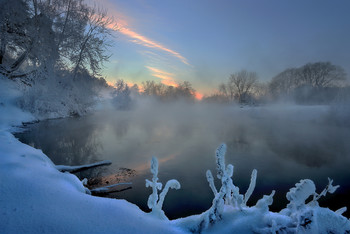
(58, 95)
(55, 51)
(229, 211)
(310, 217)
(155, 202)
(228, 193)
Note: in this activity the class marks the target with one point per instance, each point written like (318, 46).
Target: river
(284, 143)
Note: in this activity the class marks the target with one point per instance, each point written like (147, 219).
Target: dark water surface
(285, 144)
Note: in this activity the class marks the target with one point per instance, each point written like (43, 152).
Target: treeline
(123, 95)
(183, 90)
(54, 47)
(313, 83)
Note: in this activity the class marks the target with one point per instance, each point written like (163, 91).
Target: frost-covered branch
(251, 187)
(153, 198)
(220, 160)
(329, 189)
(298, 194)
(307, 218)
(341, 210)
(264, 203)
(153, 202)
(210, 179)
(229, 192)
(174, 184)
(230, 208)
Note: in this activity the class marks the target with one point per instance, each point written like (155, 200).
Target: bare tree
(224, 92)
(285, 82)
(94, 42)
(241, 85)
(312, 77)
(151, 88)
(321, 74)
(185, 90)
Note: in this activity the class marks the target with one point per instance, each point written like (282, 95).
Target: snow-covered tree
(121, 95)
(52, 33)
(14, 42)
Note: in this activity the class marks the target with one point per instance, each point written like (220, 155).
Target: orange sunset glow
(166, 77)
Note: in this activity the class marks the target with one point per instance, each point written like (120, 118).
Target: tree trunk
(60, 38)
(3, 43)
(82, 49)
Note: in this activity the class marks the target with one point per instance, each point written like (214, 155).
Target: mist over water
(285, 143)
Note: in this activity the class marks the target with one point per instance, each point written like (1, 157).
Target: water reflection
(283, 144)
(69, 142)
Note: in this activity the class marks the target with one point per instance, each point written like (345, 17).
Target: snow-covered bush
(310, 217)
(155, 202)
(57, 94)
(228, 194)
(229, 212)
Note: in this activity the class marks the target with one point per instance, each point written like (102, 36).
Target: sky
(204, 41)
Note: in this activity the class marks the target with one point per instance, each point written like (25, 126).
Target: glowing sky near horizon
(204, 41)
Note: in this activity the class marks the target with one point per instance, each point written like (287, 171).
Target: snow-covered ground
(36, 198)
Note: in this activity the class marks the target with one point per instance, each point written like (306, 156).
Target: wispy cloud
(159, 71)
(137, 38)
(142, 40)
(166, 77)
(123, 27)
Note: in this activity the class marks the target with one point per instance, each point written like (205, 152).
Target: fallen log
(108, 189)
(73, 169)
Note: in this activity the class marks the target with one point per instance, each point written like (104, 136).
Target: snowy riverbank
(36, 198)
